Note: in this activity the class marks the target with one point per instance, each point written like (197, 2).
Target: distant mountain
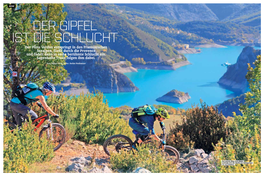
(192, 32)
(221, 32)
(235, 76)
(223, 11)
(250, 15)
(131, 42)
(179, 12)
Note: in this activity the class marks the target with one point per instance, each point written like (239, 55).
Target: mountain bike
(119, 142)
(54, 132)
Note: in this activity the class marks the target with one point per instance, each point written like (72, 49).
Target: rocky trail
(77, 157)
(68, 154)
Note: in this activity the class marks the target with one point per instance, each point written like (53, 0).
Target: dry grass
(168, 123)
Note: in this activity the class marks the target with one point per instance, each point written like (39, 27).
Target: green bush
(88, 118)
(239, 147)
(244, 141)
(200, 127)
(147, 156)
(22, 148)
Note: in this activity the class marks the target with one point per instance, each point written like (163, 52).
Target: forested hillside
(232, 23)
(131, 42)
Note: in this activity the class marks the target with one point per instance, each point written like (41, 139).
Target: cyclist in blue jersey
(142, 131)
(18, 108)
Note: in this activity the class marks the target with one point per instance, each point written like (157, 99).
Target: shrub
(243, 143)
(202, 127)
(180, 141)
(138, 61)
(251, 109)
(239, 148)
(147, 156)
(22, 148)
(87, 117)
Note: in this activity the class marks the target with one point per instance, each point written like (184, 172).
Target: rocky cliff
(175, 96)
(234, 79)
(101, 77)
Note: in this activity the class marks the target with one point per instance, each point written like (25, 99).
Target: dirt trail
(69, 150)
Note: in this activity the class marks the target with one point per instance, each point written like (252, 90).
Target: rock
(175, 96)
(141, 170)
(196, 161)
(198, 152)
(107, 170)
(82, 161)
(194, 168)
(186, 170)
(204, 169)
(74, 168)
(83, 165)
(204, 155)
(95, 170)
(193, 160)
(204, 161)
(211, 156)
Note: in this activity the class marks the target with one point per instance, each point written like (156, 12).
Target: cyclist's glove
(56, 116)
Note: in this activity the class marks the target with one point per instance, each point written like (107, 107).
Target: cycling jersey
(136, 124)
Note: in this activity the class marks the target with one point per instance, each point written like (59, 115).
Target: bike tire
(119, 145)
(173, 152)
(62, 135)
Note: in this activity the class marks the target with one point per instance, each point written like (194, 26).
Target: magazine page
(131, 87)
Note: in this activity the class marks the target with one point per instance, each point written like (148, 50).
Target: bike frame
(42, 119)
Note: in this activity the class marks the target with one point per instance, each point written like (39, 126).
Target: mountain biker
(33, 96)
(137, 125)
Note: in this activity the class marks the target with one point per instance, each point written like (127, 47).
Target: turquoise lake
(198, 79)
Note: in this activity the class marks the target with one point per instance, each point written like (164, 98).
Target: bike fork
(50, 126)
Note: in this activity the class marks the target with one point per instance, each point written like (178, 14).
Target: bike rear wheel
(171, 154)
(56, 135)
(116, 143)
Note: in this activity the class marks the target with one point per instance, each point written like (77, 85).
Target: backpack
(143, 110)
(22, 90)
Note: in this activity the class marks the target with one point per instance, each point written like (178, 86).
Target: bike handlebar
(40, 105)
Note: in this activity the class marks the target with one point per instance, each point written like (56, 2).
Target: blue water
(198, 79)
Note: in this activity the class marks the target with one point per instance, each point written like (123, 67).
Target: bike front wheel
(56, 135)
(116, 143)
(171, 154)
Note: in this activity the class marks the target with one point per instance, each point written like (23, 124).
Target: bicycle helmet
(163, 113)
(49, 86)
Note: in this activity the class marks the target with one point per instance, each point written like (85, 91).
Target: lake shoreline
(76, 91)
(162, 67)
